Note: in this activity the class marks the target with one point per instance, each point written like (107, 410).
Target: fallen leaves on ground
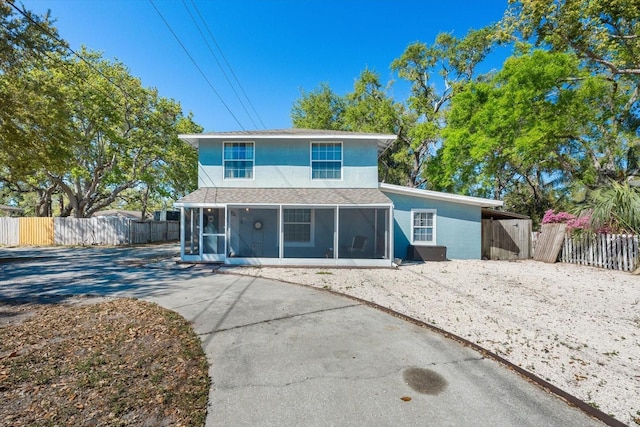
(119, 362)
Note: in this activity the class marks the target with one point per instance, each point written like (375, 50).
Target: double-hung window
(298, 227)
(326, 160)
(423, 228)
(238, 160)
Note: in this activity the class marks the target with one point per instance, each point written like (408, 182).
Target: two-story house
(312, 197)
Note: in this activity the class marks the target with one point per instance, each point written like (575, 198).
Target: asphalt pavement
(289, 355)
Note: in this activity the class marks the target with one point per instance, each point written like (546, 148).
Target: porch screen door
(213, 234)
(192, 231)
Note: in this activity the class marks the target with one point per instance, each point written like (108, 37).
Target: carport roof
(207, 196)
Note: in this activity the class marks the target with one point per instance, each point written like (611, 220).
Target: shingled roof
(285, 196)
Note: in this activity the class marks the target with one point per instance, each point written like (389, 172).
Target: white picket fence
(611, 251)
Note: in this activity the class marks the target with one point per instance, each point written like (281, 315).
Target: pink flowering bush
(573, 222)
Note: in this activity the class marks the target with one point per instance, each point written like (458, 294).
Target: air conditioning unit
(427, 253)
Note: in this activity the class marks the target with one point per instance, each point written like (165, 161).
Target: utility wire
(219, 64)
(141, 103)
(196, 64)
(227, 62)
(63, 44)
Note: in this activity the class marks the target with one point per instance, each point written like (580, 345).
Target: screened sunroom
(263, 226)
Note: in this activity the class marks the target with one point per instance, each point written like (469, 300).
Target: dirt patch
(100, 362)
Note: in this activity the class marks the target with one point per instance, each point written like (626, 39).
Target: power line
(141, 103)
(219, 64)
(63, 44)
(227, 62)
(196, 64)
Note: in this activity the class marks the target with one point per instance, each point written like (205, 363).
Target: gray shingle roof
(286, 196)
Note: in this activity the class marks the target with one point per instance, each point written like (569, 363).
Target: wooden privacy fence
(506, 239)
(36, 231)
(611, 251)
(91, 231)
(154, 231)
(9, 231)
(85, 231)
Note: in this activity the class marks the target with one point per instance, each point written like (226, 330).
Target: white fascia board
(437, 195)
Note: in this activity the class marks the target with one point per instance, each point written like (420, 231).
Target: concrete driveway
(282, 354)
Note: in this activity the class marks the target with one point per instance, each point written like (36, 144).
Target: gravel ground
(577, 327)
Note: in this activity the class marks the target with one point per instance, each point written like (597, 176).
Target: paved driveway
(282, 354)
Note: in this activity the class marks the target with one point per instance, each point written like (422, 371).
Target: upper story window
(423, 229)
(238, 160)
(326, 160)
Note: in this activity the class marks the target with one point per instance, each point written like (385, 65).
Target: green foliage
(614, 207)
(101, 135)
(418, 121)
(540, 128)
(367, 109)
(320, 109)
(604, 33)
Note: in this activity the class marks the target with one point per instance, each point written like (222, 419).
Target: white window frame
(225, 160)
(433, 227)
(311, 241)
(312, 161)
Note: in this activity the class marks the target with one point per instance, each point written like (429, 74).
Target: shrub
(573, 222)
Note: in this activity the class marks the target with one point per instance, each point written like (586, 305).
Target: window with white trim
(238, 159)
(298, 227)
(423, 230)
(326, 160)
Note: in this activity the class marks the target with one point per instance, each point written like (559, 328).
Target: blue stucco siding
(282, 153)
(210, 152)
(360, 154)
(458, 226)
(287, 163)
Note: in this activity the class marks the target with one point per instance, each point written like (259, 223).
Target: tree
(23, 36)
(124, 135)
(615, 207)
(367, 109)
(540, 128)
(455, 61)
(32, 116)
(320, 109)
(603, 33)
(117, 137)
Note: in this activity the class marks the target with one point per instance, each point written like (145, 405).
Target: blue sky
(275, 47)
